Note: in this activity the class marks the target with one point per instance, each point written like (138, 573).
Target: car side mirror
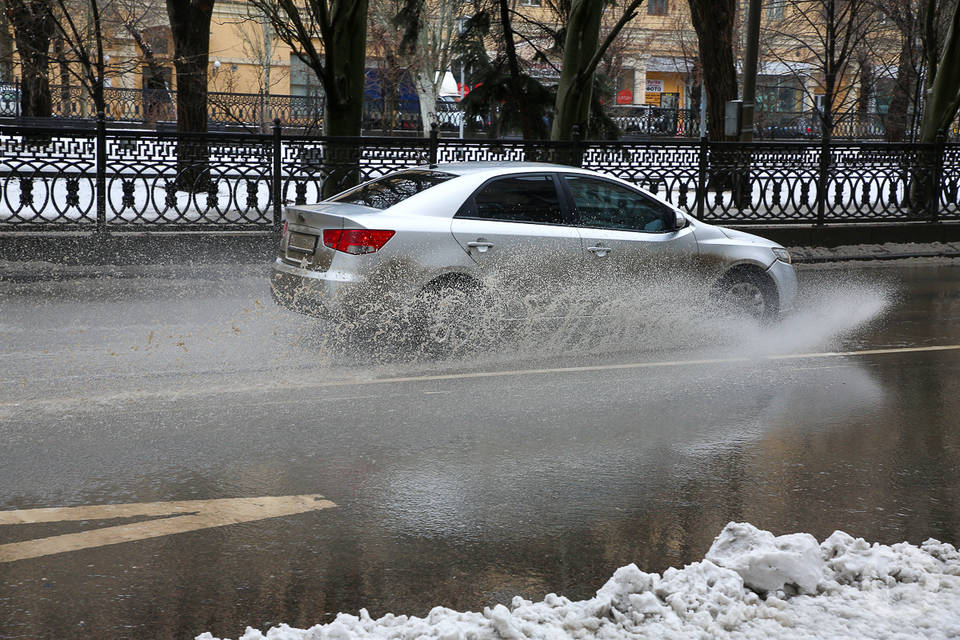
(677, 219)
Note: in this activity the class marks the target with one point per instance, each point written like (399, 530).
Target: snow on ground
(751, 585)
(885, 251)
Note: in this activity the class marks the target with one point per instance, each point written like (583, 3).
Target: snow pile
(751, 584)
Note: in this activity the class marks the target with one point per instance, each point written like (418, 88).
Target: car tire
(452, 318)
(749, 292)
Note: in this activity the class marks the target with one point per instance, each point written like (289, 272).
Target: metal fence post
(276, 179)
(434, 142)
(576, 146)
(936, 176)
(823, 183)
(101, 180)
(702, 176)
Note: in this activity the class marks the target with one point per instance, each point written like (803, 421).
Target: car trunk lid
(302, 244)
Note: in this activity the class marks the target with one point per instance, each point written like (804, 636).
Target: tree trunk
(190, 26)
(155, 93)
(531, 124)
(864, 100)
(345, 56)
(714, 22)
(34, 27)
(6, 47)
(66, 104)
(943, 101)
(427, 93)
(575, 90)
(154, 83)
(903, 90)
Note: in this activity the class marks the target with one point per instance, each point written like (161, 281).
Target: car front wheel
(750, 293)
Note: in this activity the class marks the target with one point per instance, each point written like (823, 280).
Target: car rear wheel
(453, 318)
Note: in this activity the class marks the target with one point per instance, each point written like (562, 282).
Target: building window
(303, 81)
(775, 9)
(158, 39)
(305, 87)
(778, 94)
(529, 3)
(657, 7)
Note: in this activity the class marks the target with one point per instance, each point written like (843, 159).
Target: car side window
(517, 199)
(608, 205)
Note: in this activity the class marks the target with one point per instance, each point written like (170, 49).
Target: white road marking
(288, 385)
(187, 515)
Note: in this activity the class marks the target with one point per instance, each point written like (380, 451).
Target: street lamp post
(750, 71)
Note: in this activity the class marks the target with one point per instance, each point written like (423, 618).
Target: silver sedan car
(510, 229)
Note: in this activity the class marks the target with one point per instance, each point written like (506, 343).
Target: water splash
(627, 315)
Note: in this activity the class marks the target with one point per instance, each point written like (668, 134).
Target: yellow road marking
(283, 384)
(187, 515)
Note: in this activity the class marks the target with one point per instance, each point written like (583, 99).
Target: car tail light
(285, 225)
(356, 241)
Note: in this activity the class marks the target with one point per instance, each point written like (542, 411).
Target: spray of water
(228, 332)
(669, 312)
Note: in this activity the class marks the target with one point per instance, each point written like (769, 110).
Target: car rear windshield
(387, 191)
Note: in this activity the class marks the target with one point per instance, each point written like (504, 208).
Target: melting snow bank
(750, 585)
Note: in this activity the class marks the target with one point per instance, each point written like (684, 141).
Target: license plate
(303, 242)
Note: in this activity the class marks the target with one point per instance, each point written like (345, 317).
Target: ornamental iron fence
(250, 111)
(103, 180)
(255, 112)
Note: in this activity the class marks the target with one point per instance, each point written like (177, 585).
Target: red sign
(625, 97)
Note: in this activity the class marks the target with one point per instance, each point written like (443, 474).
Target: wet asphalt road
(538, 469)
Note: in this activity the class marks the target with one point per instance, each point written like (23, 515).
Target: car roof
(494, 168)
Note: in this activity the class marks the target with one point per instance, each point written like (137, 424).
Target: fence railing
(255, 112)
(245, 110)
(107, 180)
(655, 121)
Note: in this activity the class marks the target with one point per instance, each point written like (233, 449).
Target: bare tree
(34, 27)
(714, 21)
(142, 20)
(935, 17)
(430, 31)
(384, 36)
(190, 27)
(583, 51)
(504, 88)
(83, 41)
(685, 39)
(6, 46)
(943, 99)
(329, 36)
(259, 43)
(829, 36)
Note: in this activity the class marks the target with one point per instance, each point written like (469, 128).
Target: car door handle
(480, 245)
(599, 251)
